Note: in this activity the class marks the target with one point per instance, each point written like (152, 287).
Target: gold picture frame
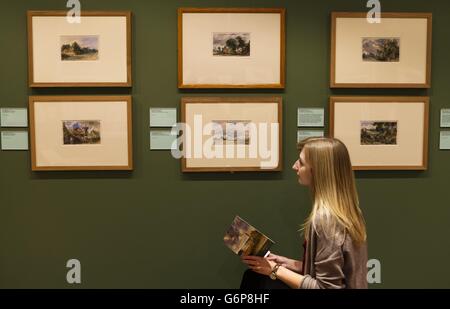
(80, 57)
(395, 53)
(206, 60)
(261, 120)
(382, 133)
(80, 133)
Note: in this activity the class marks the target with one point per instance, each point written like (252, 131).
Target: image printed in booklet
(244, 239)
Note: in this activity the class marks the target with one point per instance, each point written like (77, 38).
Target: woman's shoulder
(327, 227)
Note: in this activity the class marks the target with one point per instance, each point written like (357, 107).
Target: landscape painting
(235, 132)
(231, 44)
(378, 132)
(79, 132)
(381, 49)
(79, 48)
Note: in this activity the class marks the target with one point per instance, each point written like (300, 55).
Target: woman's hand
(258, 264)
(290, 264)
(278, 259)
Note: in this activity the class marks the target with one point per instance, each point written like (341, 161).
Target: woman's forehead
(302, 154)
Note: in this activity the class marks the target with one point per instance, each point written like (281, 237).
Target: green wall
(157, 228)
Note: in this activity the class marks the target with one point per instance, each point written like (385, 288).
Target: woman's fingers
(249, 260)
(276, 258)
(252, 263)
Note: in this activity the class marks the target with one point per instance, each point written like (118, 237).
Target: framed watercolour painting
(81, 133)
(395, 53)
(93, 53)
(382, 133)
(231, 48)
(231, 134)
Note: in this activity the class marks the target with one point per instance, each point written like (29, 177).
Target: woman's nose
(294, 167)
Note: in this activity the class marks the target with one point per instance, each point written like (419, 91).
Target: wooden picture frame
(54, 60)
(261, 120)
(395, 53)
(205, 60)
(382, 133)
(79, 133)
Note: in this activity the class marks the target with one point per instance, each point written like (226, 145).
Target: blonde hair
(335, 198)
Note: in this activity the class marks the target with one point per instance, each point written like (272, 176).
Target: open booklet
(244, 239)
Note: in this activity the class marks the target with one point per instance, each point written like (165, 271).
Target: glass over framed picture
(382, 133)
(231, 48)
(395, 53)
(93, 53)
(81, 133)
(231, 134)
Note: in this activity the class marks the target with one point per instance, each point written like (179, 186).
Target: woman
(335, 234)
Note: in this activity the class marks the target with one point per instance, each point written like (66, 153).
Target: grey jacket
(334, 262)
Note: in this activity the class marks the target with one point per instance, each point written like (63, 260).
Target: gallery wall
(158, 228)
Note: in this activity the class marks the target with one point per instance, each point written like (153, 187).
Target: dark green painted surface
(157, 228)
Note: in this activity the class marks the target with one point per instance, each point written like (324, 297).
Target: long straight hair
(333, 189)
